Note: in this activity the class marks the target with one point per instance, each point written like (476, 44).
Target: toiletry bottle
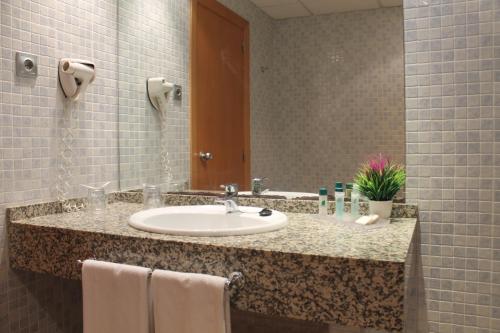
(339, 200)
(348, 191)
(323, 201)
(355, 201)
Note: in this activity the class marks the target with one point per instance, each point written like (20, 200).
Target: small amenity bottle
(348, 191)
(339, 200)
(323, 201)
(355, 195)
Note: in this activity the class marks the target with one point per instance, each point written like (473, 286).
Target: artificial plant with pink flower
(380, 179)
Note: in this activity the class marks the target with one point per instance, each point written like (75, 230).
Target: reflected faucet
(230, 191)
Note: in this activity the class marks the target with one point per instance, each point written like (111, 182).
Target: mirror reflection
(223, 92)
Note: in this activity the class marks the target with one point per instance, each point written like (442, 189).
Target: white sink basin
(206, 220)
(288, 195)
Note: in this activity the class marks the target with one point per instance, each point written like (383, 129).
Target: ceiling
(281, 9)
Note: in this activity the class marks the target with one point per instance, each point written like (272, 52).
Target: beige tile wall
(30, 125)
(338, 96)
(153, 41)
(453, 157)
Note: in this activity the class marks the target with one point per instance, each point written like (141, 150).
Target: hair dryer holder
(74, 76)
(158, 90)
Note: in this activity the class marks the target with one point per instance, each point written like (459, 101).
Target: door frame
(227, 14)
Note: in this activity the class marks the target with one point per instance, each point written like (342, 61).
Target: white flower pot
(381, 208)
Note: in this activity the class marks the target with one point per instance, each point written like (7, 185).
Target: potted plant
(379, 180)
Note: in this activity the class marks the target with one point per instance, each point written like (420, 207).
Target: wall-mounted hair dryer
(75, 75)
(158, 89)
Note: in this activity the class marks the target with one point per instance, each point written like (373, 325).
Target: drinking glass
(152, 196)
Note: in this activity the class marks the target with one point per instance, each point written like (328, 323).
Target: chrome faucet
(230, 204)
(230, 191)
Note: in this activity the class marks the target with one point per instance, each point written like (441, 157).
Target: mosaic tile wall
(153, 41)
(30, 126)
(453, 157)
(32, 109)
(339, 87)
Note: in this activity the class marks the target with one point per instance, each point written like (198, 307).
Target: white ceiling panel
(391, 3)
(266, 3)
(281, 9)
(286, 11)
(318, 7)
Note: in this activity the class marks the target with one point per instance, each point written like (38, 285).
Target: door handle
(206, 156)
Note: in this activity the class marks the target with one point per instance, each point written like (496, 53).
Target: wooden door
(219, 96)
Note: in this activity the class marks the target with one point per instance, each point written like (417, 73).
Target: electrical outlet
(26, 65)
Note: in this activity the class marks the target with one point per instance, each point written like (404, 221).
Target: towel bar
(235, 279)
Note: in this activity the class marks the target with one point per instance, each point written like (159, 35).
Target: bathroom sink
(288, 195)
(206, 220)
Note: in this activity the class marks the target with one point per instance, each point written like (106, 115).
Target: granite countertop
(313, 269)
(305, 234)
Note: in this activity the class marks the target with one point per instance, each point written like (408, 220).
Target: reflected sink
(288, 195)
(206, 220)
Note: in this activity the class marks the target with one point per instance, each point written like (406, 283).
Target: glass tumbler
(152, 196)
(97, 202)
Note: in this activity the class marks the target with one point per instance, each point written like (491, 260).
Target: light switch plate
(26, 65)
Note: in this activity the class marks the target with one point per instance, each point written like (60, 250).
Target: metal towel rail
(235, 279)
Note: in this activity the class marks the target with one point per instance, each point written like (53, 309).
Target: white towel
(115, 298)
(189, 303)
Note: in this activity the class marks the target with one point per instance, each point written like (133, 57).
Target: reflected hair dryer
(158, 89)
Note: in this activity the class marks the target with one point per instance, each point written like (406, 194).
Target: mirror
(300, 95)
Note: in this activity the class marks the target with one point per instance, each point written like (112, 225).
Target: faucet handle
(259, 179)
(230, 190)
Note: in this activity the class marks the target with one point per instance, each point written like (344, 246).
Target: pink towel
(115, 298)
(189, 303)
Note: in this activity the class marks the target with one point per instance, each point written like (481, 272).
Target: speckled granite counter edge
(343, 291)
(314, 288)
(290, 206)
